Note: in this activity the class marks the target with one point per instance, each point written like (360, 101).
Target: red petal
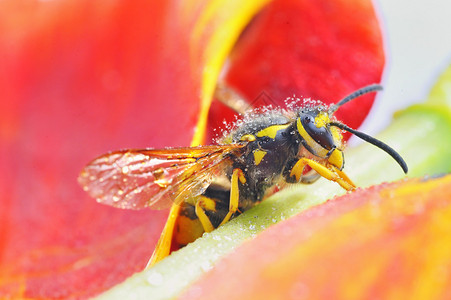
(319, 49)
(81, 78)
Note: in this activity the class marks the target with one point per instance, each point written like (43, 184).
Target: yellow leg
(298, 169)
(201, 204)
(234, 194)
(231, 98)
(334, 175)
(203, 218)
(163, 247)
(344, 176)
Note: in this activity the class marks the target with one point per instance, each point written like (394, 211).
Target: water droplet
(155, 278)
(125, 169)
(205, 266)
(162, 183)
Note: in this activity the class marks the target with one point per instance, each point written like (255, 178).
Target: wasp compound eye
(320, 134)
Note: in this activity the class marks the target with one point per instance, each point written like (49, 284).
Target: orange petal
(387, 241)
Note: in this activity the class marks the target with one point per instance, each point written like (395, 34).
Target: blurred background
(418, 47)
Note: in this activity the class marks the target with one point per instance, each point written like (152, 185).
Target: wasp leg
(298, 169)
(231, 98)
(310, 177)
(333, 175)
(343, 176)
(234, 194)
(163, 247)
(203, 218)
(206, 204)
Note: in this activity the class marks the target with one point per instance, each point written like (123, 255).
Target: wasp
(209, 185)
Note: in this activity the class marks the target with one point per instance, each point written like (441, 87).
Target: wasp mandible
(212, 184)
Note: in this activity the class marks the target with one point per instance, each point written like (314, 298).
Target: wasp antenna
(376, 143)
(367, 89)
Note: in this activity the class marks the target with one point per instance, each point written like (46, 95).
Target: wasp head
(319, 137)
(321, 133)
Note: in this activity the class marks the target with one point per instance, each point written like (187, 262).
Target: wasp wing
(153, 178)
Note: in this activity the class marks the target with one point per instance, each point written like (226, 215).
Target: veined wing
(153, 178)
